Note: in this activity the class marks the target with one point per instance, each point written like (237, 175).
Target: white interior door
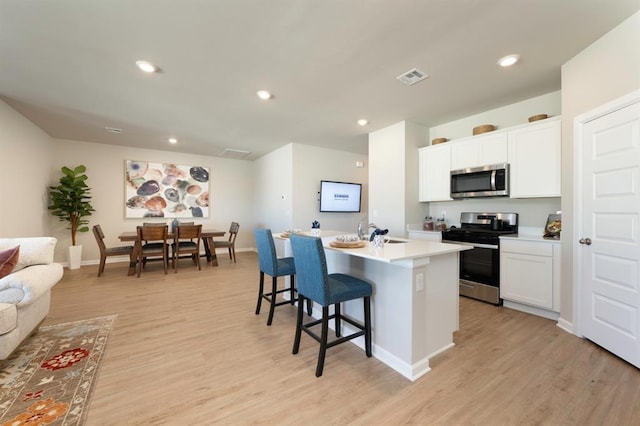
(609, 247)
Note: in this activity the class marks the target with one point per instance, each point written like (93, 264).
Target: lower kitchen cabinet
(530, 275)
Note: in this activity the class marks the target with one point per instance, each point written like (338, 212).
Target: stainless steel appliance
(487, 181)
(480, 266)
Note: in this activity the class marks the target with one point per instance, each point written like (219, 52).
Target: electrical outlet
(419, 282)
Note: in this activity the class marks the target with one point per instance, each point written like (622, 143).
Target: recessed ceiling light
(508, 60)
(147, 66)
(363, 122)
(263, 94)
(173, 140)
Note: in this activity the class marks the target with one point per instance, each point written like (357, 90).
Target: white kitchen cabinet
(534, 158)
(530, 273)
(481, 150)
(434, 171)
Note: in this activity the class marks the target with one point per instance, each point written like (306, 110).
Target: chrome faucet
(363, 229)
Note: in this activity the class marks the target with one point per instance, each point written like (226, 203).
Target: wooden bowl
(484, 128)
(436, 141)
(537, 117)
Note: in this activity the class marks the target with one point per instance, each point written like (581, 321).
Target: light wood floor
(187, 349)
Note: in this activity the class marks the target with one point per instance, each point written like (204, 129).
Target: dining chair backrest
(233, 230)
(311, 268)
(267, 256)
(153, 224)
(153, 233)
(97, 232)
(188, 232)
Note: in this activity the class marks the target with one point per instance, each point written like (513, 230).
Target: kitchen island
(414, 306)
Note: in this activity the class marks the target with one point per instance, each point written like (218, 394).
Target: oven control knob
(586, 241)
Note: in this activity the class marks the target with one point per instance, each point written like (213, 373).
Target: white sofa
(25, 294)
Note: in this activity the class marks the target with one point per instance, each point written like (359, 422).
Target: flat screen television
(340, 197)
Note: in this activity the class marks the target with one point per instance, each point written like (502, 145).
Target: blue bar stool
(327, 289)
(270, 264)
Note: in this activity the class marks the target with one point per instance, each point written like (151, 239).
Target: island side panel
(391, 307)
(440, 303)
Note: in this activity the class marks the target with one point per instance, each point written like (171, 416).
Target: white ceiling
(69, 65)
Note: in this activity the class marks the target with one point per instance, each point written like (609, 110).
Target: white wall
(532, 213)
(503, 117)
(604, 71)
(415, 137)
(287, 182)
(26, 153)
(393, 176)
(386, 178)
(231, 191)
(312, 164)
(273, 189)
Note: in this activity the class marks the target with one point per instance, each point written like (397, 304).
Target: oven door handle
(488, 246)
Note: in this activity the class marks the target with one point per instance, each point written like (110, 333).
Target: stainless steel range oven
(480, 267)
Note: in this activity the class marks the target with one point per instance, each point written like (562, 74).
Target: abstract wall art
(165, 190)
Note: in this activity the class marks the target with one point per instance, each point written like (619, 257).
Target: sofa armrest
(33, 250)
(33, 281)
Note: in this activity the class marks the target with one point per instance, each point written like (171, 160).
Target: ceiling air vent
(234, 153)
(412, 77)
(113, 130)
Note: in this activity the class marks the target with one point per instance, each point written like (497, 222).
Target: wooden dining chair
(230, 244)
(186, 240)
(153, 243)
(108, 251)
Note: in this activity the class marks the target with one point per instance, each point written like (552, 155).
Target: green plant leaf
(70, 200)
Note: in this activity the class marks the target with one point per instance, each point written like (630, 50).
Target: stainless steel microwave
(476, 182)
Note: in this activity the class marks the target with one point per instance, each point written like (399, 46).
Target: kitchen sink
(395, 242)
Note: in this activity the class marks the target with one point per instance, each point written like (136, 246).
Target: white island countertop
(394, 252)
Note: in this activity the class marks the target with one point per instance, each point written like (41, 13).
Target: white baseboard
(531, 310)
(565, 325)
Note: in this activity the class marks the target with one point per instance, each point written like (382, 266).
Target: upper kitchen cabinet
(534, 158)
(434, 184)
(481, 150)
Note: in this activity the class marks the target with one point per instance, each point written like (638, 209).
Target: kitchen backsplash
(532, 212)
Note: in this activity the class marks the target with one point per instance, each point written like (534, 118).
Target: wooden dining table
(207, 240)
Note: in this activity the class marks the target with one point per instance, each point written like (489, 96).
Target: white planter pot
(75, 256)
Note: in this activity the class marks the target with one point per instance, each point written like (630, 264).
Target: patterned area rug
(51, 376)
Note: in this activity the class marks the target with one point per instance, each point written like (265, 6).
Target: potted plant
(70, 201)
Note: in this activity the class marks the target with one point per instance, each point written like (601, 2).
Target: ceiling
(69, 66)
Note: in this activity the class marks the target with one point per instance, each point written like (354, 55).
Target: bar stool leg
(337, 319)
(367, 325)
(272, 306)
(296, 340)
(260, 292)
(292, 288)
(323, 340)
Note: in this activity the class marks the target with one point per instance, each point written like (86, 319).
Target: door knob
(586, 241)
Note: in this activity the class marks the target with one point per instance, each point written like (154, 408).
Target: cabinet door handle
(586, 241)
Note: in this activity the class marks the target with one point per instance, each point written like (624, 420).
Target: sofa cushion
(8, 260)
(33, 250)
